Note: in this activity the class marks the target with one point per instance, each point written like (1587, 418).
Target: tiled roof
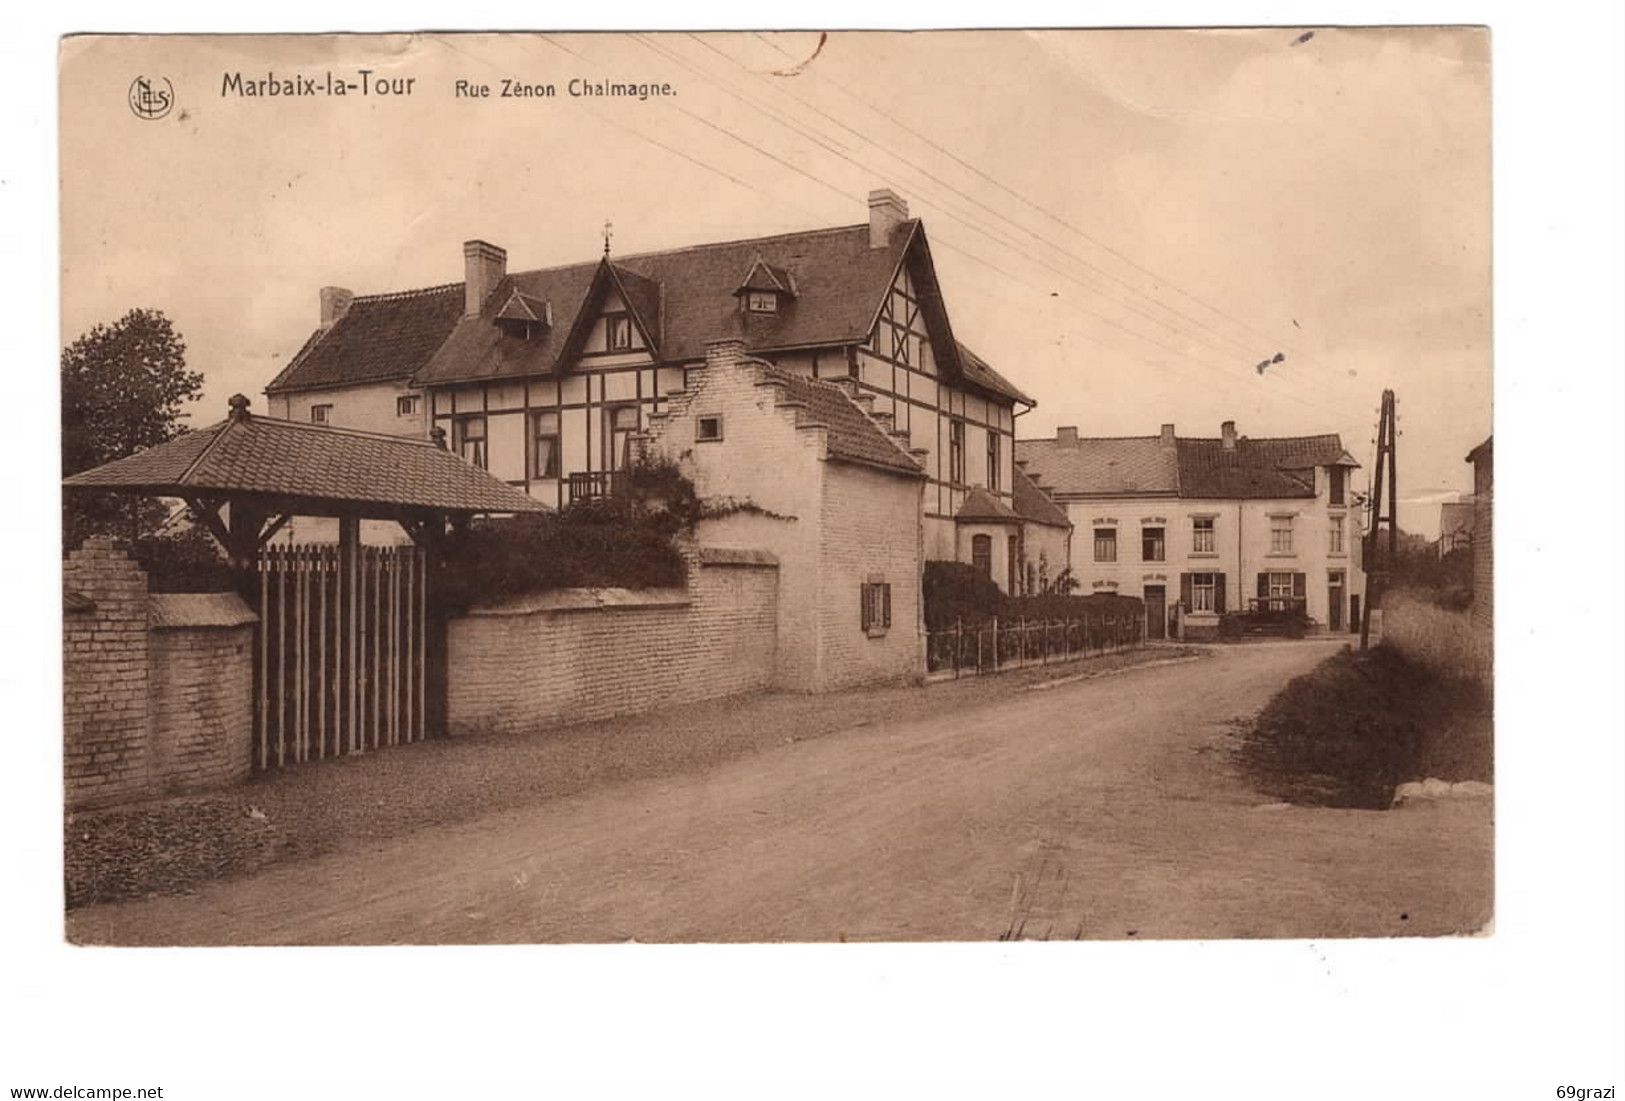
(1123, 466)
(264, 456)
(1272, 467)
(980, 506)
(1268, 468)
(684, 297)
(198, 610)
(1034, 505)
(380, 338)
(1483, 451)
(853, 435)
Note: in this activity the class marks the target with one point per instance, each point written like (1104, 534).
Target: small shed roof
(311, 469)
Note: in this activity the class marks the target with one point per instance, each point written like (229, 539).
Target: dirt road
(1100, 808)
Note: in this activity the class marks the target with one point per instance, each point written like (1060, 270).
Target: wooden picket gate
(341, 666)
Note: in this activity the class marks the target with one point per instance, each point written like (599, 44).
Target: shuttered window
(875, 607)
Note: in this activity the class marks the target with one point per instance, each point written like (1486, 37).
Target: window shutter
(863, 607)
(1218, 593)
(1300, 585)
(1263, 585)
(885, 604)
(1185, 590)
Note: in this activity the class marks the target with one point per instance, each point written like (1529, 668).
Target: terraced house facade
(545, 378)
(1198, 527)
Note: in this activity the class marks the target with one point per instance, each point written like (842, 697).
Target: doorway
(1334, 600)
(1156, 611)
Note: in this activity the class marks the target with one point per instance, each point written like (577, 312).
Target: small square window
(762, 302)
(406, 405)
(321, 414)
(708, 428)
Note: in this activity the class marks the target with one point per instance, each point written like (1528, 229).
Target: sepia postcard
(777, 487)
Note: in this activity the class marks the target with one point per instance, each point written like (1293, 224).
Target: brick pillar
(104, 675)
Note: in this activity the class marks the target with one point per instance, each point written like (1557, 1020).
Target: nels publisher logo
(151, 97)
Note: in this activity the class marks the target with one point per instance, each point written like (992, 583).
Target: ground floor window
(1202, 593)
(875, 615)
(1280, 584)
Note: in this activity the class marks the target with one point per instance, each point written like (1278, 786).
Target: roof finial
(239, 407)
(609, 231)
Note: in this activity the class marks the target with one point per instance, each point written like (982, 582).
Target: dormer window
(525, 317)
(765, 289)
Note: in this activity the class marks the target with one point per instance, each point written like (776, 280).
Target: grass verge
(1349, 731)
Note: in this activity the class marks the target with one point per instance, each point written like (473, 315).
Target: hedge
(959, 592)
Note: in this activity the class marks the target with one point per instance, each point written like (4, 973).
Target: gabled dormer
(524, 317)
(620, 314)
(765, 290)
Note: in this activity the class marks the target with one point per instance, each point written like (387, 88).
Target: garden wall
(156, 688)
(580, 654)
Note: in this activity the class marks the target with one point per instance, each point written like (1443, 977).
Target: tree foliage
(124, 387)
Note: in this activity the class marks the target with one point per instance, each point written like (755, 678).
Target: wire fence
(994, 646)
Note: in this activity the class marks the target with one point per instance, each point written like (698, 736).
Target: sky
(1125, 223)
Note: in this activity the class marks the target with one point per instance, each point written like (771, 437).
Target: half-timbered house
(545, 377)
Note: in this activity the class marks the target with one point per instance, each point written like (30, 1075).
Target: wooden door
(1156, 611)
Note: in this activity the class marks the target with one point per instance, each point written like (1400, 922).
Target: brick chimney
(335, 304)
(1228, 429)
(886, 213)
(727, 352)
(1167, 435)
(484, 265)
(1068, 436)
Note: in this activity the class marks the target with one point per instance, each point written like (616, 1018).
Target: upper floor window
(1335, 484)
(762, 302)
(1334, 536)
(1105, 544)
(993, 464)
(956, 452)
(1281, 535)
(1202, 535)
(321, 414)
(544, 449)
(1153, 547)
(620, 331)
(981, 553)
(471, 439)
(406, 405)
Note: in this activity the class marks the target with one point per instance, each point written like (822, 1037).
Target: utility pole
(1376, 578)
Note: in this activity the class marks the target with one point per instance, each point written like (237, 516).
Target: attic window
(762, 302)
(620, 332)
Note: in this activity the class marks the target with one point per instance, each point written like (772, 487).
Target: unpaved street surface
(1104, 807)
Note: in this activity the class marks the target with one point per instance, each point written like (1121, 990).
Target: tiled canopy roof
(1145, 466)
(326, 467)
(982, 507)
(853, 434)
(380, 338)
(1034, 505)
(1123, 466)
(682, 298)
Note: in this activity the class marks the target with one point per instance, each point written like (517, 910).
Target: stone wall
(157, 690)
(583, 654)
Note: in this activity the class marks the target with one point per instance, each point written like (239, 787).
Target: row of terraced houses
(818, 376)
